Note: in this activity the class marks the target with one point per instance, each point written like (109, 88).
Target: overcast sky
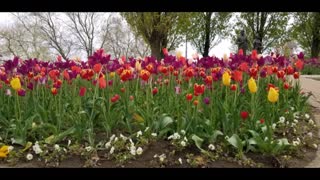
(222, 48)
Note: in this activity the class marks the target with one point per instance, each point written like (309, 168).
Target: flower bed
(116, 108)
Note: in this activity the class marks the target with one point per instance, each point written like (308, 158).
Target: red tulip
(189, 97)
(102, 83)
(233, 87)
(240, 52)
(54, 91)
(165, 51)
(261, 121)
(154, 90)
(296, 75)
(198, 89)
(244, 115)
(286, 86)
(195, 102)
(82, 91)
(97, 68)
(299, 64)
(237, 76)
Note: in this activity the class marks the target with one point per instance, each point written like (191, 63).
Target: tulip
(252, 85)
(273, 95)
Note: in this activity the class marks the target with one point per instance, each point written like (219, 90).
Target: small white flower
(185, 139)
(65, 150)
(112, 137)
(295, 121)
(116, 139)
(307, 116)
(88, 148)
(107, 145)
(170, 137)
(36, 148)
(293, 124)
(294, 130)
(139, 151)
(264, 128)
(154, 134)
(295, 143)
(29, 157)
(311, 122)
(111, 150)
(69, 142)
(123, 137)
(183, 132)
(139, 133)
(10, 148)
(211, 147)
(162, 157)
(266, 139)
(274, 126)
(298, 139)
(287, 123)
(155, 156)
(147, 128)
(176, 136)
(310, 134)
(133, 152)
(183, 143)
(315, 146)
(292, 108)
(13, 141)
(282, 119)
(57, 147)
(34, 125)
(180, 160)
(296, 114)
(131, 141)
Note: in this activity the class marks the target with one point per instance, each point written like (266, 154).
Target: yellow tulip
(138, 66)
(252, 85)
(226, 79)
(15, 83)
(4, 151)
(112, 74)
(273, 95)
(178, 54)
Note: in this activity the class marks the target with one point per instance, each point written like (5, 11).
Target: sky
(222, 48)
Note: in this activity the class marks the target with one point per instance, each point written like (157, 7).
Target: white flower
(116, 139)
(211, 147)
(176, 136)
(180, 160)
(183, 143)
(154, 134)
(111, 150)
(69, 142)
(162, 157)
(112, 137)
(36, 148)
(292, 108)
(287, 122)
(310, 134)
(29, 157)
(65, 150)
(13, 141)
(274, 126)
(170, 137)
(311, 122)
(315, 146)
(183, 132)
(88, 148)
(139, 133)
(57, 147)
(294, 130)
(295, 121)
(185, 139)
(147, 128)
(264, 128)
(295, 143)
(10, 148)
(296, 114)
(131, 141)
(123, 137)
(133, 152)
(34, 125)
(139, 151)
(266, 139)
(298, 139)
(293, 124)
(307, 116)
(282, 119)
(155, 156)
(107, 145)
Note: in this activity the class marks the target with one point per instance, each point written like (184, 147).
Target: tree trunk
(207, 35)
(155, 49)
(315, 46)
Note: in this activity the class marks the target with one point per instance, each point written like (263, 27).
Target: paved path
(310, 85)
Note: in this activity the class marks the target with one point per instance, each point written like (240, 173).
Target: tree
(207, 29)
(158, 29)
(306, 30)
(17, 40)
(271, 28)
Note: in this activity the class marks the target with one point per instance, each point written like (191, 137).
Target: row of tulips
(84, 99)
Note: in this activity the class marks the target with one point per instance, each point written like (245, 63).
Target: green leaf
(216, 133)
(235, 141)
(166, 121)
(198, 141)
